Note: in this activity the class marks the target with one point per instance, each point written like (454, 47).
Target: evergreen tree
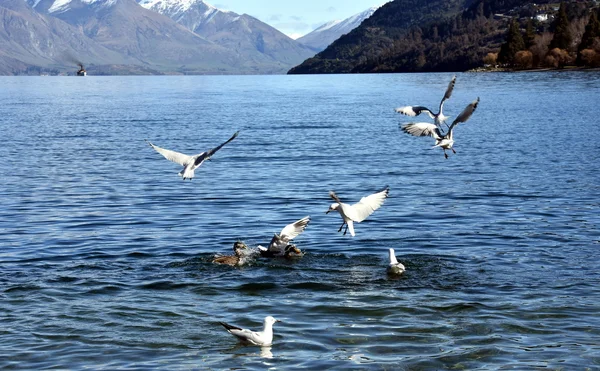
(514, 43)
(529, 34)
(592, 30)
(562, 37)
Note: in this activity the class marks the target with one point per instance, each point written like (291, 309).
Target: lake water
(106, 253)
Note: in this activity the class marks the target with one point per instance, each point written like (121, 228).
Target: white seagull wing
(414, 111)
(293, 230)
(176, 157)
(422, 129)
(245, 335)
(288, 233)
(367, 205)
(466, 113)
(248, 336)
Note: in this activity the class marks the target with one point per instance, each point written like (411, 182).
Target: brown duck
(238, 247)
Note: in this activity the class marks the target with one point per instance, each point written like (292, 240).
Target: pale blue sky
(297, 17)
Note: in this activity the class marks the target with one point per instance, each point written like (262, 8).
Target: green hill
(430, 36)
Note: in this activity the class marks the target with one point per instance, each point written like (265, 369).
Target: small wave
(163, 285)
(105, 290)
(313, 286)
(19, 288)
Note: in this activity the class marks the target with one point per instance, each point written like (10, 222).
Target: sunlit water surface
(106, 253)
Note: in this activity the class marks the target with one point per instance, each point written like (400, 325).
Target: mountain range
(321, 37)
(147, 37)
(253, 41)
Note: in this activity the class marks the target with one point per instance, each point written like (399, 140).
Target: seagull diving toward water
(439, 117)
(261, 338)
(445, 141)
(394, 267)
(359, 211)
(236, 259)
(189, 163)
(280, 243)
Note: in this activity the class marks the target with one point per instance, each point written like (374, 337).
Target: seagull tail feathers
(186, 173)
(229, 327)
(351, 228)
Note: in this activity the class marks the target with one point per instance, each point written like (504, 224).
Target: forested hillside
(422, 36)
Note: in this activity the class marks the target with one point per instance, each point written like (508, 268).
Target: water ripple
(107, 254)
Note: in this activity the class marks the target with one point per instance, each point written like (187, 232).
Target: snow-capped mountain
(189, 13)
(241, 33)
(57, 6)
(321, 37)
(151, 39)
(173, 36)
(122, 36)
(31, 42)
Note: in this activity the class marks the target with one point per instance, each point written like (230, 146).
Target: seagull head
(270, 320)
(333, 206)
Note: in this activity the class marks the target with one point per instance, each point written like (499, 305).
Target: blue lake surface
(105, 253)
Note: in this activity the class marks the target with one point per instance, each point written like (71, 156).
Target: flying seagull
(189, 163)
(236, 259)
(394, 267)
(261, 338)
(280, 243)
(439, 117)
(359, 211)
(445, 141)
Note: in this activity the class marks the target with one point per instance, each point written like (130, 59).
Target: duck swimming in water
(237, 259)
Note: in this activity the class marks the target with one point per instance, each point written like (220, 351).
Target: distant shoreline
(506, 69)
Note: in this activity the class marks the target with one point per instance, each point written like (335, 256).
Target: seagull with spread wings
(443, 140)
(358, 211)
(189, 163)
(280, 243)
(260, 338)
(439, 117)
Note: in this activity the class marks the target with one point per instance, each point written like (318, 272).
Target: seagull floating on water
(261, 338)
(443, 140)
(236, 259)
(439, 117)
(280, 243)
(394, 267)
(359, 211)
(189, 163)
